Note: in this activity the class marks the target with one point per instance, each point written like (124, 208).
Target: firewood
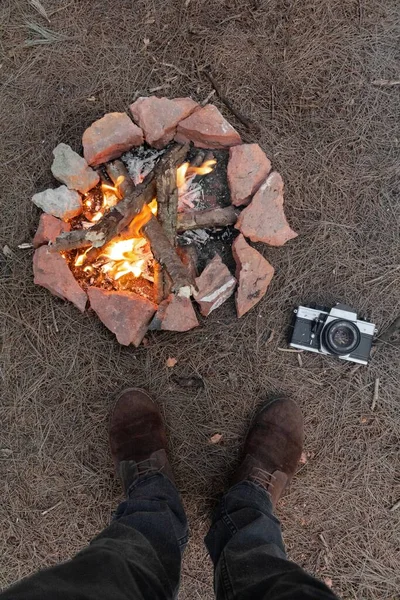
(161, 236)
(113, 222)
(158, 287)
(165, 254)
(208, 219)
(167, 199)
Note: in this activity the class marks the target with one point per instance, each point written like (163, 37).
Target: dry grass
(302, 70)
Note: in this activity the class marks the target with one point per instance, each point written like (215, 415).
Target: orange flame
(115, 189)
(128, 254)
(124, 257)
(186, 171)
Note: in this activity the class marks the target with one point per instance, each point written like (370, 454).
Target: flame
(153, 206)
(186, 172)
(80, 259)
(129, 254)
(114, 189)
(142, 218)
(125, 256)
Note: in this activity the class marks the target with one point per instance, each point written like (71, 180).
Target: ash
(208, 243)
(141, 161)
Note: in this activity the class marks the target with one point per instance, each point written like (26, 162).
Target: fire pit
(151, 216)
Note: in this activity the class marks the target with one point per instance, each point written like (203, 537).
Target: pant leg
(137, 557)
(245, 544)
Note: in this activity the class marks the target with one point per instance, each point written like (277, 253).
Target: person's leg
(139, 555)
(245, 540)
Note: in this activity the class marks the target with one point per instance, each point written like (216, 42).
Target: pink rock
(51, 271)
(248, 167)
(215, 285)
(124, 313)
(264, 220)
(73, 170)
(254, 274)
(176, 313)
(49, 229)
(207, 128)
(109, 137)
(158, 117)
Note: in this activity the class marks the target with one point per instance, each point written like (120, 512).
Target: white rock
(61, 202)
(73, 170)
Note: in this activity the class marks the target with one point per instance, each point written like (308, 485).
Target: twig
(385, 82)
(242, 118)
(54, 318)
(395, 506)
(324, 542)
(376, 394)
(45, 512)
(270, 337)
(293, 350)
(207, 100)
(171, 66)
(159, 87)
(232, 18)
(382, 276)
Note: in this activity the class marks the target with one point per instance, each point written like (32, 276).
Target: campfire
(142, 222)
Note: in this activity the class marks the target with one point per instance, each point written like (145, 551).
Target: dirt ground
(304, 72)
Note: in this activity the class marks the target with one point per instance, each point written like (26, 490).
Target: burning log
(207, 219)
(119, 217)
(167, 202)
(112, 223)
(161, 236)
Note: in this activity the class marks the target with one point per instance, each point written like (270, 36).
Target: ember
(123, 240)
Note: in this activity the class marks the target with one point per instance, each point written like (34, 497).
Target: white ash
(199, 236)
(191, 196)
(141, 162)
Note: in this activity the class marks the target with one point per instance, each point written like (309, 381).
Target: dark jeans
(139, 555)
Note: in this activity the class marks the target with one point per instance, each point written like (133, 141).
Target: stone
(264, 219)
(215, 285)
(253, 273)
(109, 137)
(73, 170)
(49, 229)
(61, 202)
(248, 167)
(207, 128)
(124, 313)
(52, 272)
(158, 117)
(176, 313)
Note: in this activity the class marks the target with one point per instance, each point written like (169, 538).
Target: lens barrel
(341, 337)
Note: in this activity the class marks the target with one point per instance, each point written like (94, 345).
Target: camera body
(336, 331)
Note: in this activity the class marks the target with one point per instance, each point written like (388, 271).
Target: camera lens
(341, 337)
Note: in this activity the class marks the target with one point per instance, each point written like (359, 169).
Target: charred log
(207, 219)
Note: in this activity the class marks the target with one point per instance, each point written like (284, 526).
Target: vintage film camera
(336, 331)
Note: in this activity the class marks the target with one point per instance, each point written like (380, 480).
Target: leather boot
(138, 440)
(273, 447)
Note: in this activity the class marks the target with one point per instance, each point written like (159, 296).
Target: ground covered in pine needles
(306, 73)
